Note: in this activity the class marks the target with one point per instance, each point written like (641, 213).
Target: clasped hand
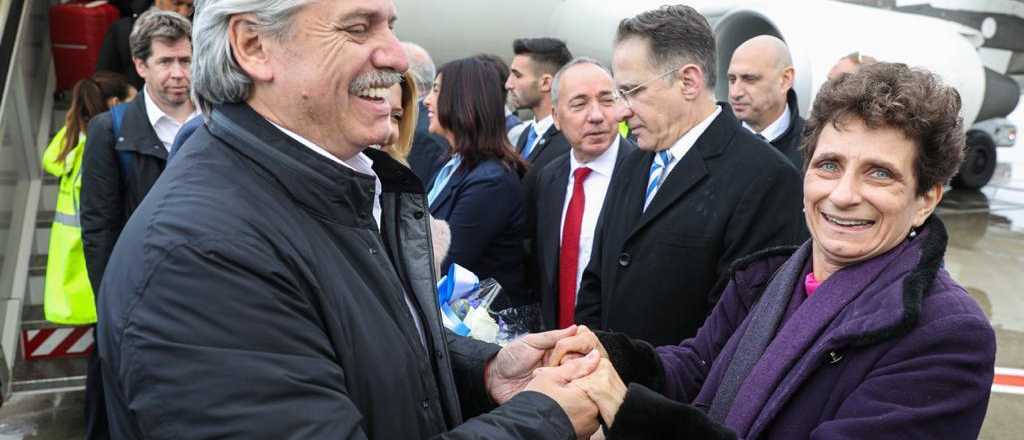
(568, 365)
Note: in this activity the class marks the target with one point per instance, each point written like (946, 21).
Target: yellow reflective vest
(68, 296)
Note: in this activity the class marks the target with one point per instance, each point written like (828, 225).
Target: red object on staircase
(76, 34)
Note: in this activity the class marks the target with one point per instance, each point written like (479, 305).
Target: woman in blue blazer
(477, 191)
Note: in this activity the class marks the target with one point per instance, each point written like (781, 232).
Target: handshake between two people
(569, 366)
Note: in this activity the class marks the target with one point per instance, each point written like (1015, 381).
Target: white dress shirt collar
(542, 126)
(165, 126)
(603, 164)
(775, 129)
(360, 163)
(685, 143)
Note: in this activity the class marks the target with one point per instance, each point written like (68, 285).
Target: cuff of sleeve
(475, 398)
(634, 360)
(645, 414)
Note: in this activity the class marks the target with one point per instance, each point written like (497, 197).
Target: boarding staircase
(29, 116)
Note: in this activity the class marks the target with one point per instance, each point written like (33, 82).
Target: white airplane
(818, 32)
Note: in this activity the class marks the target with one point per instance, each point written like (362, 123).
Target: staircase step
(43, 219)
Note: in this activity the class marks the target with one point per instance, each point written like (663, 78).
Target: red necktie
(568, 257)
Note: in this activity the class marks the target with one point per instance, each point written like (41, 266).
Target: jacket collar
(335, 192)
(137, 133)
(691, 168)
(794, 115)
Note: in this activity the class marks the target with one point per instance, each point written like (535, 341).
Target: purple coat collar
(859, 305)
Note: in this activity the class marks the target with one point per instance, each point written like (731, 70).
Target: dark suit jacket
(116, 55)
(427, 149)
(651, 273)
(550, 146)
(108, 196)
(789, 143)
(548, 198)
(484, 209)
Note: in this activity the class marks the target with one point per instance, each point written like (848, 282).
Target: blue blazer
(484, 208)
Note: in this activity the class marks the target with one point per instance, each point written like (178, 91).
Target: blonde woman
(404, 113)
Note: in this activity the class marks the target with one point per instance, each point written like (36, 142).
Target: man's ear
(554, 116)
(788, 75)
(545, 83)
(140, 66)
(249, 47)
(690, 80)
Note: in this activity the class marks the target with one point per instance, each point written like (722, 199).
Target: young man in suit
(570, 191)
(761, 94)
(529, 84)
(700, 192)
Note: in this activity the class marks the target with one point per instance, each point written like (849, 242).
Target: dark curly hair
(913, 101)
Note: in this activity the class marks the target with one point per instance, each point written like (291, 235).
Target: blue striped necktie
(531, 138)
(659, 170)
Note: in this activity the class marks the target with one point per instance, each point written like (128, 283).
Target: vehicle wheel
(979, 162)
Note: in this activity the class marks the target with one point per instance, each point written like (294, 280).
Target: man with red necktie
(568, 194)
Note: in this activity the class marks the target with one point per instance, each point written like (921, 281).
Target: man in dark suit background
(529, 84)
(427, 148)
(700, 192)
(115, 53)
(761, 94)
(570, 191)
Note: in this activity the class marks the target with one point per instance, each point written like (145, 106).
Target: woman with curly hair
(858, 333)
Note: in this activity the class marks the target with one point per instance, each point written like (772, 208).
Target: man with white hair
(276, 282)
(427, 148)
(761, 94)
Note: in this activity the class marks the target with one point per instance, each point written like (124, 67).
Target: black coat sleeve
(469, 357)
(183, 364)
(531, 247)
(102, 199)
(645, 414)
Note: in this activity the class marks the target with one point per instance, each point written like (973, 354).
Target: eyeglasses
(624, 95)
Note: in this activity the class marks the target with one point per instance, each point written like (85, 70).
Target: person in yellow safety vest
(624, 129)
(68, 296)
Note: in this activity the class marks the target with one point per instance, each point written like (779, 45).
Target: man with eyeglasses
(700, 193)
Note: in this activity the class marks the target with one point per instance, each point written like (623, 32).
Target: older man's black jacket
(651, 273)
(252, 295)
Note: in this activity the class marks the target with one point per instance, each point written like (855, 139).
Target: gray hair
(557, 82)
(677, 34)
(216, 76)
(422, 67)
(155, 24)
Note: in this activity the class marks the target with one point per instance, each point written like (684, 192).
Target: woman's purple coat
(889, 348)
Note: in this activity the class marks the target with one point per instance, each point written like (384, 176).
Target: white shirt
(685, 143)
(595, 188)
(166, 127)
(776, 129)
(540, 127)
(359, 163)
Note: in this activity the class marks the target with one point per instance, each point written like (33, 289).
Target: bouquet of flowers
(466, 301)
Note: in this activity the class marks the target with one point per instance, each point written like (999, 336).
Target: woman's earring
(913, 233)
